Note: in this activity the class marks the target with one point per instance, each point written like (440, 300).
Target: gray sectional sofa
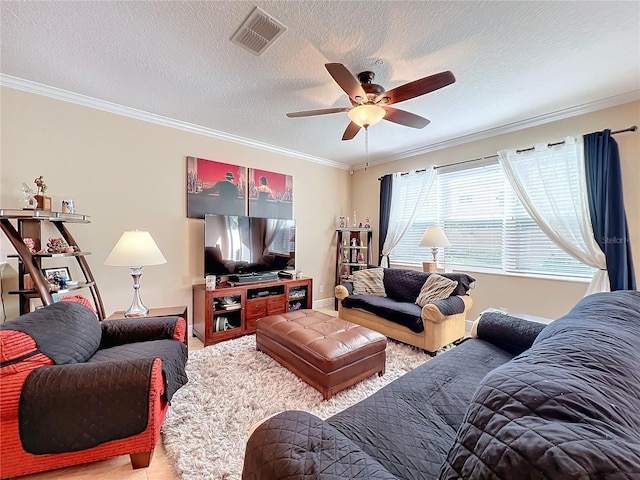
(522, 401)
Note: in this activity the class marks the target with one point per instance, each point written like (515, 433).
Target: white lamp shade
(434, 237)
(366, 115)
(135, 248)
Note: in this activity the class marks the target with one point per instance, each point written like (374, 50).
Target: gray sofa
(397, 316)
(521, 401)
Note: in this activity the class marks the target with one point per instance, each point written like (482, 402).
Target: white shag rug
(232, 386)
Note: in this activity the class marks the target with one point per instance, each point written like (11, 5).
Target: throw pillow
(435, 288)
(403, 285)
(369, 282)
(465, 282)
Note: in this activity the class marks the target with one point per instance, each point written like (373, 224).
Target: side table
(180, 311)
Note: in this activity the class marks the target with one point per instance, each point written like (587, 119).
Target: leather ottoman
(328, 353)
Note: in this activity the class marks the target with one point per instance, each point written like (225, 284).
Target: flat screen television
(236, 244)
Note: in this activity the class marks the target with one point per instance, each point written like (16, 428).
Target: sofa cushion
(465, 282)
(66, 332)
(567, 407)
(369, 282)
(409, 425)
(436, 287)
(403, 285)
(403, 313)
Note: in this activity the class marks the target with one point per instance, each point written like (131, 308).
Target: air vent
(258, 32)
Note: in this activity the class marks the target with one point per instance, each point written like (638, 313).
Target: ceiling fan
(370, 102)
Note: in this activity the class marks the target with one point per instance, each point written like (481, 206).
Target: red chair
(75, 390)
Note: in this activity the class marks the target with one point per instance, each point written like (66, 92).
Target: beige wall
(129, 174)
(549, 298)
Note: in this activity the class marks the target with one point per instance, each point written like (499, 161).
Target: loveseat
(384, 299)
(75, 390)
(520, 401)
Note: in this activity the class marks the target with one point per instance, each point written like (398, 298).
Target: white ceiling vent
(258, 32)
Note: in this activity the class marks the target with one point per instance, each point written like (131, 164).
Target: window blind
(487, 226)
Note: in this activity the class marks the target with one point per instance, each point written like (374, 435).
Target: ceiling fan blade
(417, 88)
(347, 81)
(405, 118)
(324, 111)
(351, 131)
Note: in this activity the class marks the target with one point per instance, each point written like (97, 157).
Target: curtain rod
(632, 128)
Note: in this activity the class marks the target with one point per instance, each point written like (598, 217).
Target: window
(487, 225)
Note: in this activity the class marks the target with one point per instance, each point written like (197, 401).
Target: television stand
(231, 311)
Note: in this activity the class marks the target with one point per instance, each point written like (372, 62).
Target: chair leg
(141, 460)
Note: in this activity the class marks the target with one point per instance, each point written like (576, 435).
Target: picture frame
(215, 187)
(270, 194)
(63, 272)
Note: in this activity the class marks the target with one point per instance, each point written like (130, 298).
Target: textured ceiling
(514, 62)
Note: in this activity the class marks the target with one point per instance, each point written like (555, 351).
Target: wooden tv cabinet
(231, 311)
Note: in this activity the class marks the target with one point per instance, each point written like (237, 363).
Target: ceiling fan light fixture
(366, 115)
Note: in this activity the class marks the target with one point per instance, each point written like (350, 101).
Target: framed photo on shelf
(62, 272)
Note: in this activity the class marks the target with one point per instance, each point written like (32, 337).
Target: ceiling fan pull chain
(366, 147)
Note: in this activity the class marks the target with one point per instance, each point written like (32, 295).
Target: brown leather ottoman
(328, 353)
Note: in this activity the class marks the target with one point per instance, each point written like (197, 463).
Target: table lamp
(433, 237)
(135, 249)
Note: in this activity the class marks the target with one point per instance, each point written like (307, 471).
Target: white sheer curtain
(408, 193)
(272, 228)
(551, 184)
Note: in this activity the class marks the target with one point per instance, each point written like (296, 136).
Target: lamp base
(430, 267)
(135, 314)
(137, 308)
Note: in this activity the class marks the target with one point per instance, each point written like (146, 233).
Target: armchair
(76, 390)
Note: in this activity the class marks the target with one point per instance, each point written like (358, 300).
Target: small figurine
(360, 257)
(43, 202)
(42, 187)
(30, 243)
(367, 222)
(58, 245)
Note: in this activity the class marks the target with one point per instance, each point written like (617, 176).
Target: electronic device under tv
(248, 248)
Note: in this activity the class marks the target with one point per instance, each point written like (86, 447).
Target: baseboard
(325, 302)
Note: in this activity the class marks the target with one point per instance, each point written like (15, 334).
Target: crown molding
(512, 127)
(84, 100)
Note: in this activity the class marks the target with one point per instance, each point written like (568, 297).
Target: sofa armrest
(86, 404)
(131, 330)
(440, 310)
(510, 333)
(296, 444)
